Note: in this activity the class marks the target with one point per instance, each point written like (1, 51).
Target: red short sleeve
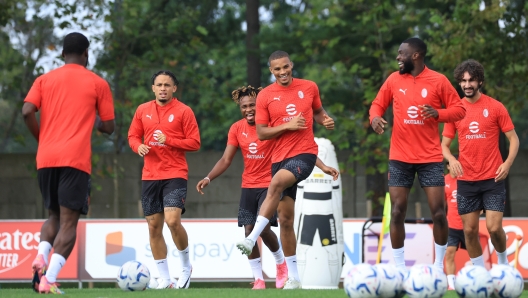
(105, 103)
(449, 130)
(262, 116)
(504, 119)
(34, 95)
(232, 135)
(316, 104)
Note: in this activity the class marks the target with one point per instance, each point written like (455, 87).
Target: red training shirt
(478, 137)
(454, 221)
(277, 105)
(67, 98)
(177, 122)
(256, 153)
(413, 139)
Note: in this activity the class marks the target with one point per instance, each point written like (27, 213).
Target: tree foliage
(348, 47)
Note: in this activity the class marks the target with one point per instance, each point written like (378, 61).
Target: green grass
(203, 292)
(198, 289)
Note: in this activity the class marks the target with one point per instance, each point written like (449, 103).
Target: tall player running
(255, 181)
(456, 232)
(417, 94)
(162, 131)
(64, 150)
(480, 169)
(286, 110)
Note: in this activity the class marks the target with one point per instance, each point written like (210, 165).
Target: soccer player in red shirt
(162, 131)
(68, 99)
(480, 169)
(454, 222)
(255, 181)
(417, 94)
(286, 110)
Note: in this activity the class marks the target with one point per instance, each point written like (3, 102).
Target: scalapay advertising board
(104, 245)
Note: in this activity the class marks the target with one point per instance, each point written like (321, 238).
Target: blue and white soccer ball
(474, 281)
(507, 281)
(391, 279)
(425, 281)
(133, 276)
(362, 281)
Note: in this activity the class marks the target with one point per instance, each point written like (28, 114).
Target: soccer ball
(507, 281)
(474, 281)
(425, 281)
(390, 280)
(133, 276)
(362, 281)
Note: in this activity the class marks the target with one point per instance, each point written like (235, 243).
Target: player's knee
(439, 218)
(397, 216)
(470, 232)
(173, 223)
(495, 230)
(286, 221)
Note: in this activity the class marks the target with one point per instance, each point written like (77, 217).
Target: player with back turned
(67, 99)
(418, 95)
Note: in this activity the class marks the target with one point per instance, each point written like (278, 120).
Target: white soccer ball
(390, 280)
(474, 281)
(507, 281)
(425, 281)
(362, 281)
(133, 276)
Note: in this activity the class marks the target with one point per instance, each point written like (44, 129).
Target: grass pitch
(210, 292)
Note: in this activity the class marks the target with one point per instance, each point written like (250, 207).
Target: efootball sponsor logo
(412, 112)
(155, 137)
(290, 110)
(253, 152)
(475, 131)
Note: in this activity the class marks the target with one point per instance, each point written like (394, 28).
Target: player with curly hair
(480, 168)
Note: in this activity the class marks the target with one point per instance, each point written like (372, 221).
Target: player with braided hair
(255, 181)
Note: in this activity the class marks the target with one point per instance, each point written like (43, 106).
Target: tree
(252, 44)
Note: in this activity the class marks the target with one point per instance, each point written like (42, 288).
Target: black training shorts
(456, 238)
(158, 194)
(480, 195)
(66, 187)
(301, 166)
(250, 202)
(402, 174)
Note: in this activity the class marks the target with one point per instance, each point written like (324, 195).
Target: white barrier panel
(319, 224)
(212, 249)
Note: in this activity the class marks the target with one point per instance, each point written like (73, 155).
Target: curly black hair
(250, 91)
(473, 67)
